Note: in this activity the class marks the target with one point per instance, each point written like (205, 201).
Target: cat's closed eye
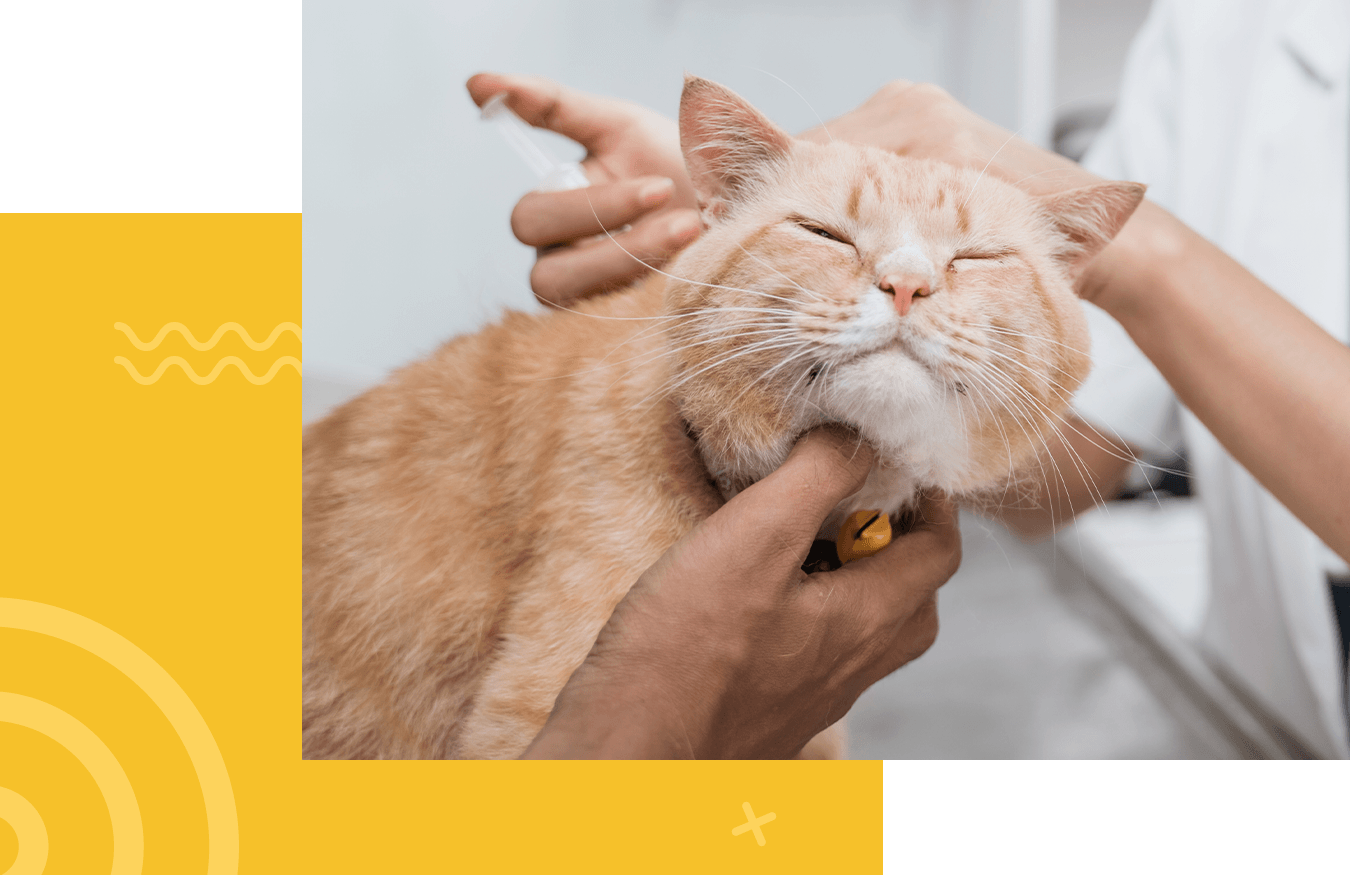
(807, 225)
(962, 259)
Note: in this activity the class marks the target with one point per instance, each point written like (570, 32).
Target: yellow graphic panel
(151, 534)
(150, 678)
(151, 601)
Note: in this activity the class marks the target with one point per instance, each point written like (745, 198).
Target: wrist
(1130, 278)
(613, 721)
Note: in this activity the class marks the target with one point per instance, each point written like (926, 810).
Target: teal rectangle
(1111, 818)
(150, 105)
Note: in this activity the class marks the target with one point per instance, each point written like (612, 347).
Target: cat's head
(929, 306)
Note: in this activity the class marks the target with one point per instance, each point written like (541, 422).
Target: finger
(566, 274)
(826, 466)
(894, 582)
(583, 117)
(549, 218)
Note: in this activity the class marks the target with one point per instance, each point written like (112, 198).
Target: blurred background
(1081, 647)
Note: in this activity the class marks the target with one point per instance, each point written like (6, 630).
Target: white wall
(407, 197)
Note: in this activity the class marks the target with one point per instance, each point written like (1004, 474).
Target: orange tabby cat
(470, 524)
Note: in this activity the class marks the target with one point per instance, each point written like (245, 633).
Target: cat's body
(470, 525)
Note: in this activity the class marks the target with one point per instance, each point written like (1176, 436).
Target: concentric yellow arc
(222, 818)
(20, 814)
(215, 338)
(215, 372)
(128, 834)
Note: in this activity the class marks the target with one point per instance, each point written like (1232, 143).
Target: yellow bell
(862, 534)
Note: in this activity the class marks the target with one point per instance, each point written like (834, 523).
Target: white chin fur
(910, 416)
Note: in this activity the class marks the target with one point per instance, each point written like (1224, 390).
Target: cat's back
(471, 523)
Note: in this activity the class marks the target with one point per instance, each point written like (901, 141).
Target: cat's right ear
(1089, 217)
(727, 143)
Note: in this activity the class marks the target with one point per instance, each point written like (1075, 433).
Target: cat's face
(929, 306)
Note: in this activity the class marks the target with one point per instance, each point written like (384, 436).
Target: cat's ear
(1089, 217)
(727, 144)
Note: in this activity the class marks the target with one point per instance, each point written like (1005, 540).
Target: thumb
(541, 102)
(827, 465)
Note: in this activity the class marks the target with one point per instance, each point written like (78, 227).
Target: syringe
(554, 175)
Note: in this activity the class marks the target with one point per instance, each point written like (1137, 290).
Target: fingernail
(652, 193)
(684, 227)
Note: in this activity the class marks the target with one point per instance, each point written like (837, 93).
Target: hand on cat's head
(637, 180)
(921, 120)
(632, 151)
(725, 648)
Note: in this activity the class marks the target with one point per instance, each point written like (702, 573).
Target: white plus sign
(753, 823)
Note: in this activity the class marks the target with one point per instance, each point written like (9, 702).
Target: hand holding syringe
(638, 187)
(553, 175)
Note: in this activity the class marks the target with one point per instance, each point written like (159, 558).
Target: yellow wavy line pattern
(215, 372)
(215, 338)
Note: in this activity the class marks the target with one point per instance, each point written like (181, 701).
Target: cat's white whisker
(760, 346)
(1006, 402)
(1036, 337)
(1107, 448)
(794, 283)
(1053, 366)
(767, 376)
(1075, 457)
(1027, 415)
(652, 355)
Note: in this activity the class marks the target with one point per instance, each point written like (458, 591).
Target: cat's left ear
(1090, 216)
(727, 143)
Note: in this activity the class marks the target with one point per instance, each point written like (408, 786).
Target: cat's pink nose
(904, 287)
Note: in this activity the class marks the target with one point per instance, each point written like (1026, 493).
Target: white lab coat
(1235, 113)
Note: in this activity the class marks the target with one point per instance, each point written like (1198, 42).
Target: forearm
(1271, 385)
(616, 725)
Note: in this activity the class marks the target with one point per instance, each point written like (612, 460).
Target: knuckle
(633, 202)
(642, 241)
(952, 547)
(895, 88)
(930, 90)
(926, 633)
(879, 618)
(920, 631)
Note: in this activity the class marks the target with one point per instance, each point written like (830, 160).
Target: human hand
(637, 178)
(725, 648)
(921, 120)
